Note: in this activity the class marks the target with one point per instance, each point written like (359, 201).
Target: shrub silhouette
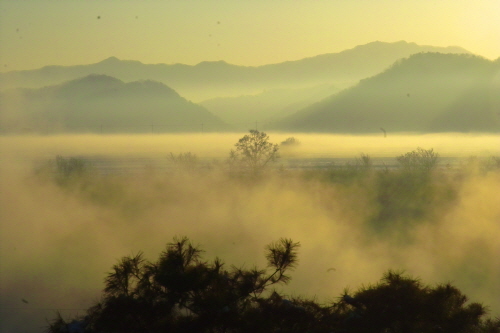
(291, 141)
(182, 293)
(419, 160)
(403, 304)
(71, 166)
(184, 161)
(410, 194)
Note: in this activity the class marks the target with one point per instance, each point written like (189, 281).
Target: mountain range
(208, 80)
(101, 103)
(394, 87)
(427, 92)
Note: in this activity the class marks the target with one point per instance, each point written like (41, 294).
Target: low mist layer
(59, 237)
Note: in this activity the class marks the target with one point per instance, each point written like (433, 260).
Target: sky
(36, 33)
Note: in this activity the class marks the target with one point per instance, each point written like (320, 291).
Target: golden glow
(38, 33)
(209, 146)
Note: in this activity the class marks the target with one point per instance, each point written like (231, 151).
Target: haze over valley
(399, 86)
(210, 79)
(149, 154)
(72, 205)
(249, 166)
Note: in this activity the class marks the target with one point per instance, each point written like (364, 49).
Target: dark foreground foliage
(180, 292)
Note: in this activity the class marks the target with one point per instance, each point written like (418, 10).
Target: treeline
(409, 193)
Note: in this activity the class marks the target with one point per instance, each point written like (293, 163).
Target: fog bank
(58, 241)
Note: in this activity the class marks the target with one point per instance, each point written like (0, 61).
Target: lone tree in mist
(181, 292)
(254, 151)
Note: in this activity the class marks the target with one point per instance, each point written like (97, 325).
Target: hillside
(208, 80)
(100, 103)
(242, 112)
(427, 92)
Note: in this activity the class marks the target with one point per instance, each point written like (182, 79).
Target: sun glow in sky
(36, 33)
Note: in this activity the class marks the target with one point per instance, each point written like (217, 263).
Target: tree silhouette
(182, 293)
(254, 151)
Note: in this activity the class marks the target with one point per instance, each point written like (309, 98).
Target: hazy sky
(35, 33)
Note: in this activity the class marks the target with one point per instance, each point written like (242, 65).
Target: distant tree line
(408, 193)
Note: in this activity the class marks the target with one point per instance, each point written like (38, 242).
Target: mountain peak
(426, 92)
(88, 83)
(110, 60)
(409, 46)
(212, 63)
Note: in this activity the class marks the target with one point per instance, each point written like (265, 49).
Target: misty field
(69, 212)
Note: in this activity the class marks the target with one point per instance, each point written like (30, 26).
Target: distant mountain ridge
(427, 92)
(394, 86)
(101, 103)
(217, 79)
(243, 112)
